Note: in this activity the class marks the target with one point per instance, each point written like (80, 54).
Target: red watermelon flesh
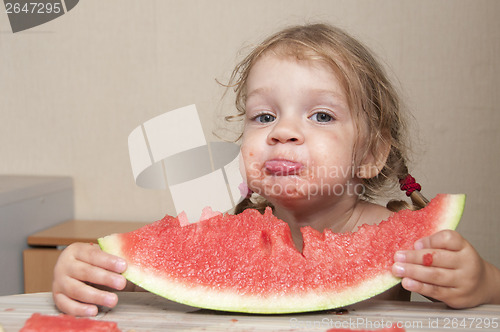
(66, 323)
(248, 262)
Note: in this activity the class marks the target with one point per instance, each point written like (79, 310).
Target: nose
(285, 131)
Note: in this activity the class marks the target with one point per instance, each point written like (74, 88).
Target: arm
(79, 266)
(446, 267)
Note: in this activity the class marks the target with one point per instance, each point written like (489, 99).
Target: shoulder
(373, 213)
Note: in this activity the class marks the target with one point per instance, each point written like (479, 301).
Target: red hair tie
(409, 185)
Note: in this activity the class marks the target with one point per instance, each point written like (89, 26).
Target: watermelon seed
(340, 311)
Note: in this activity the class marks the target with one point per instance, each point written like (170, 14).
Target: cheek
(332, 153)
(249, 146)
(249, 165)
(247, 151)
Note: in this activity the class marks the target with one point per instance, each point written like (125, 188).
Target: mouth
(282, 167)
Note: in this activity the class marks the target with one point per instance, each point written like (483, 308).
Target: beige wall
(73, 89)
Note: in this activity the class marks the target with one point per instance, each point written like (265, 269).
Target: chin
(284, 195)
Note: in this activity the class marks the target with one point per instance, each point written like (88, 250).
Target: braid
(412, 190)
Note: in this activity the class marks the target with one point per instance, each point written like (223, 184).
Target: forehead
(275, 71)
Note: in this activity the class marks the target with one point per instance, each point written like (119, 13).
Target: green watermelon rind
(217, 299)
(454, 212)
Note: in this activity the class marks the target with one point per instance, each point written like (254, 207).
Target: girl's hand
(78, 265)
(446, 267)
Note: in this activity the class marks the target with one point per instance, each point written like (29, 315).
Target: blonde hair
(370, 95)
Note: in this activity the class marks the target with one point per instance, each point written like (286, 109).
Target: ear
(374, 161)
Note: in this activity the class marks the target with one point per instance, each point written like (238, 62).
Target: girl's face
(299, 134)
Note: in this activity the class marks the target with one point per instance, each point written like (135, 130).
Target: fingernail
(418, 245)
(398, 270)
(410, 285)
(400, 257)
(121, 264)
(109, 300)
(90, 311)
(118, 282)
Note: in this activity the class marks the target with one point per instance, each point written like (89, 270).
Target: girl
(322, 138)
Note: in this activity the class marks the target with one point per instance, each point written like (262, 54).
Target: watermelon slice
(66, 323)
(248, 262)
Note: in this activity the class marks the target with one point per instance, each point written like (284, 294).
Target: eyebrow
(257, 91)
(339, 98)
(329, 93)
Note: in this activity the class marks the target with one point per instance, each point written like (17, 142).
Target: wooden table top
(80, 231)
(140, 312)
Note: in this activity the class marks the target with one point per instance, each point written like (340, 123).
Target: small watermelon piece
(427, 259)
(66, 323)
(248, 262)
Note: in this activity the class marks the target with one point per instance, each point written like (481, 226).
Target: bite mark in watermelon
(66, 323)
(248, 262)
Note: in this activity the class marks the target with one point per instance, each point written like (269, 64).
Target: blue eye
(265, 118)
(321, 117)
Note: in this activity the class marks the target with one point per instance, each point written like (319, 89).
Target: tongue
(283, 167)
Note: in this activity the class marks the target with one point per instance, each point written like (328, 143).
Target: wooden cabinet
(46, 246)
(28, 204)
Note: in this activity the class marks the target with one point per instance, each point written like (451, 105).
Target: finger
(72, 307)
(96, 275)
(450, 295)
(426, 289)
(438, 258)
(429, 275)
(79, 291)
(446, 239)
(95, 256)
